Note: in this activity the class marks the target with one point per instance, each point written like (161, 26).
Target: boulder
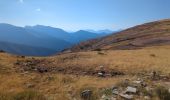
(131, 90)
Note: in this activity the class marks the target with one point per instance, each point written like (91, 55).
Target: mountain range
(40, 40)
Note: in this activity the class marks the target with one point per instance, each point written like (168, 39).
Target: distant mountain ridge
(39, 37)
(106, 31)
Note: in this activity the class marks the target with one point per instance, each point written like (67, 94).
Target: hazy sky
(83, 14)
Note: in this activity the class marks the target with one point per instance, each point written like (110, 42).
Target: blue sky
(83, 14)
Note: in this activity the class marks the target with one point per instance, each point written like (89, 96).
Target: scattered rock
(143, 84)
(101, 67)
(86, 94)
(114, 87)
(30, 85)
(42, 69)
(131, 90)
(104, 97)
(115, 92)
(137, 82)
(101, 74)
(126, 96)
(113, 98)
(147, 98)
(115, 73)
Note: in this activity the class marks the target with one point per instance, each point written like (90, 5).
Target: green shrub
(107, 91)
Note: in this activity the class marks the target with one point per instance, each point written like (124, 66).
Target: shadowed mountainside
(26, 50)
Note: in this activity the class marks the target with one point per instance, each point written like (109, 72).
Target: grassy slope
(148, 34)
(59, 86)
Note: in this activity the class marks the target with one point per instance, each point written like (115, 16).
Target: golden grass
(124, 60)
(57, 86)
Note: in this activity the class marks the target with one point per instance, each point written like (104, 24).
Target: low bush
(162, 93)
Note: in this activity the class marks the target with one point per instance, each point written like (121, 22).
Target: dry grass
(124, 60)
(57, 86)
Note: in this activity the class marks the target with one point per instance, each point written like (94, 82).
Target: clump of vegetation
(2, 51)
(101, 53)
(98, 49)
(67, 80)
(123, 83)
(146, 92)
(107, 91)
(162, 93)
(152, 55)
(25, 95)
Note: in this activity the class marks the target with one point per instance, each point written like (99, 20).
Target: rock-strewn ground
(106, 75)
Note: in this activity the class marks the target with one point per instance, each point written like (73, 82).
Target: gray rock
(86, 94)
(126, 96)
(131, 90)
(114, 87)
(115, 91)
(101, 74)
(137, 82)
(169, 90)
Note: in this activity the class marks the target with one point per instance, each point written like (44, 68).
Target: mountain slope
(149, 34)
